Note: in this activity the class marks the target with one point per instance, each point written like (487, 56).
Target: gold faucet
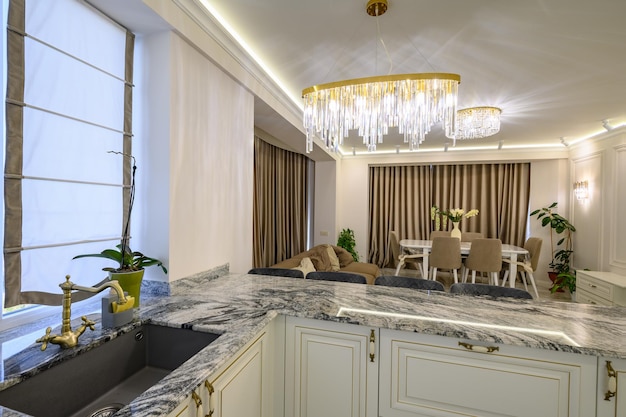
(69, 338)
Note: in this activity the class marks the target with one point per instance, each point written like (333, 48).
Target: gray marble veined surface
(238, 306)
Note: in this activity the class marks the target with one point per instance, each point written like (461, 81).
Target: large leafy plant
(126, 259)
(562, 249)
(347, 241)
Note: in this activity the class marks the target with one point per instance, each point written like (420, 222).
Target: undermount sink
(104, 379)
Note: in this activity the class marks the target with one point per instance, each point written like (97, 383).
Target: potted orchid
(129, 268)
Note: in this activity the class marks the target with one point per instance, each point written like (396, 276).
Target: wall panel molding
(617, 253)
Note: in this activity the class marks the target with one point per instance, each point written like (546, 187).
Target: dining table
(512, 252)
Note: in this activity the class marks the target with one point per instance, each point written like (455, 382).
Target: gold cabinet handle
(612, 383)
(211, 390)
(372, 345)
(481, 349)
(196, 399)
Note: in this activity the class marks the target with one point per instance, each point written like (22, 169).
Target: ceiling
(556, 68)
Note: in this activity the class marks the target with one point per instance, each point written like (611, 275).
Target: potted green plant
(347, 241)
(130, 264)
(565, 280)
(562, 249)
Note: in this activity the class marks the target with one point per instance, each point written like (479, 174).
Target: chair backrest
(470, 236)
(491, 290)
(409, 282)
(485, 255)
(337, 276)
(277, 272)
(438, 233)
(445, 253)
(394, 244)
(533, 246)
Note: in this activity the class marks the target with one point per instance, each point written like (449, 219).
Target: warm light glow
(581, 190)
(476, 122)
(412, 102)
(345, 311)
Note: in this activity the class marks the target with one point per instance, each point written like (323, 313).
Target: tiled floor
(543, 284)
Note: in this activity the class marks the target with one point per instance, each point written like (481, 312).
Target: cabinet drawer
(596, 287)
(428, 376)
(584, 297)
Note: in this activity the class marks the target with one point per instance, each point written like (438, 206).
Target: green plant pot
(130, 283)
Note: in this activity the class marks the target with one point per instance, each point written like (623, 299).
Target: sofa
(321, 258)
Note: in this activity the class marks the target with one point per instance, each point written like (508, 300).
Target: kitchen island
(239, 306)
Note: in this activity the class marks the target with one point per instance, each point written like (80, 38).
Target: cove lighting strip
(345, 312)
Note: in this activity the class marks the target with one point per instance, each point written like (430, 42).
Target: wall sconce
(581, 190)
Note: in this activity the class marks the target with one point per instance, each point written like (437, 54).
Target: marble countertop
(238, 306)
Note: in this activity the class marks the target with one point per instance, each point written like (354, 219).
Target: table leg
(425, 251)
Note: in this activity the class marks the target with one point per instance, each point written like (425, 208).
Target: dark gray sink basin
(107, 377)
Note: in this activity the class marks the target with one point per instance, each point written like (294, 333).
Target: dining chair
(439, 233)
(401, 259)
(445, 254)
(277, 272)
(337, 276)
(409, 282)
(485, 255)
(471, 236)
(491, 290)
(528, 266)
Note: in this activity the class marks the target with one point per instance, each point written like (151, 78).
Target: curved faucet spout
(111, 284)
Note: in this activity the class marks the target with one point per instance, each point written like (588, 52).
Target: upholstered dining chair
(277, 272)
(528, 266)
(337, 276)
(471, 236)
(409, 282)
(445, 254)
(402, 259)
(485, 255)
(439, 233)
(491, 290)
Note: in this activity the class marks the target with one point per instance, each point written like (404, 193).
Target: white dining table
(424, 246)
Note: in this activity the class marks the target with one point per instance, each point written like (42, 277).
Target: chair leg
(523, 275)
(473, 277)
(456, 277)
(505, 277)
(433, 275)
(421, 271)
(399, 266)
(532, 282)
(494, 277)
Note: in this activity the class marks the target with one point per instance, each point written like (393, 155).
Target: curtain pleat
(280, 204)
(400, 201)
(401, 198)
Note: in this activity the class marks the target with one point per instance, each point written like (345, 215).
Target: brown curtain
(280, 204)
(499, 191)
(401, 197)
(399, 200)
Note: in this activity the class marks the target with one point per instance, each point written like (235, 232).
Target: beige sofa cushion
(305, 266)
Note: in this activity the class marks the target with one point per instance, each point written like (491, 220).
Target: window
(70, 102)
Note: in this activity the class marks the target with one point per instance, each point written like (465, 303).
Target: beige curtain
(399, 200)
(401, 197)
(280, 203)
(499, 191)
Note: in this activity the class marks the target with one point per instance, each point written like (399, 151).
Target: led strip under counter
(346, 312)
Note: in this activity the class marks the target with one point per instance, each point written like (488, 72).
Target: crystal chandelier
(476, 122)
(411, 102)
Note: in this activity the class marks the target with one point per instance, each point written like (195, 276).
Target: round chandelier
(476, 122)
(411, 102)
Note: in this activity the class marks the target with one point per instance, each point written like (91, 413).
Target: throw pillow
(320, 259)
(306, 266)
(334, 261)
(345, 257)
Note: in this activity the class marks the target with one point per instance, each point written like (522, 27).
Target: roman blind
(68, 104)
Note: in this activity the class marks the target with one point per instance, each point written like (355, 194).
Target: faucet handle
(45, 339)
(88, 323)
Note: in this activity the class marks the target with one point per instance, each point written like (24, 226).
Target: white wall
(200, 180)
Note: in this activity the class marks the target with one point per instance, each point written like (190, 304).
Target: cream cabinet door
(246, 386)
(331, 369)
(611, 387)
(422, 375)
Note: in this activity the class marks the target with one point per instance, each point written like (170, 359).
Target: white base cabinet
(611, 387)
(423, 375)
(331, 369)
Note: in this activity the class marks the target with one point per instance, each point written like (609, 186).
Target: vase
(456, 232)
(130, 283)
